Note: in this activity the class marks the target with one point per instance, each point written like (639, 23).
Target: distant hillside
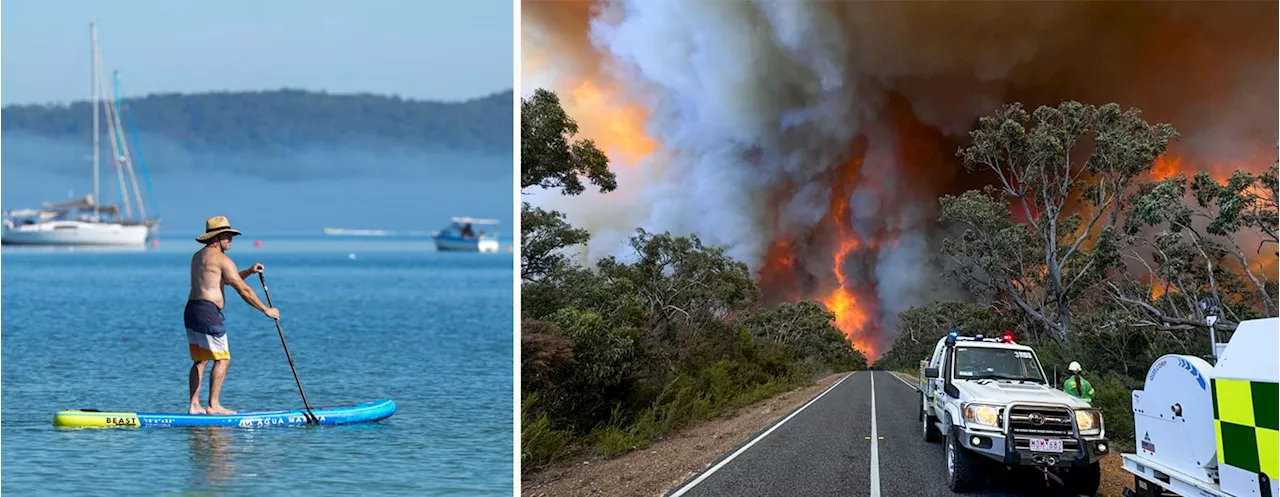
(284, 120)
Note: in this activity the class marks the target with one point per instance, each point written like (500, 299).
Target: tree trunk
(1055, 274)
(1064, 319)
(1262, 288)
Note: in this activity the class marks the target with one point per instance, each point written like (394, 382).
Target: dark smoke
(759, 109)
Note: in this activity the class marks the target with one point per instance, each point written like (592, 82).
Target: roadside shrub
(1113, 396)
(540, 444)
(635, 348)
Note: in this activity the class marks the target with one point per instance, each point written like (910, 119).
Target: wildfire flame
(851, 315)
(1166, 167)
(617, 128)
(1157, 291)
(1171, 164)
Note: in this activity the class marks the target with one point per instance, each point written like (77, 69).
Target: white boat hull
(59, 233)
(447, 244)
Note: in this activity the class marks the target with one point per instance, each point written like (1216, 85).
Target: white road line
(875, 448)
(904, 382)
(753, 441)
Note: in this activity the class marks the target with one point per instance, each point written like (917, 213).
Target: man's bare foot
(220, 410)
(196, 409)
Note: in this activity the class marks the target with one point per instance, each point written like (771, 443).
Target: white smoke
(756, 107)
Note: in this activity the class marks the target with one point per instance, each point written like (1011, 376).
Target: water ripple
(103, 330)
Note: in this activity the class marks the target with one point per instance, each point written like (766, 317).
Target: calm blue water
(103, 330)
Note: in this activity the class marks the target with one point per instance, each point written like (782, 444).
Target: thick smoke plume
(813, 138)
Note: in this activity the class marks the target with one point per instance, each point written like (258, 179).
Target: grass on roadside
(690, 399)
(677, 409)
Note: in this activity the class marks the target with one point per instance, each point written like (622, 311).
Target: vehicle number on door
(1046, 445)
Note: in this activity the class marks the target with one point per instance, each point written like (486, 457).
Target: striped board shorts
(206, 336)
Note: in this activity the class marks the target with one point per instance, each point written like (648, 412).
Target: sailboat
(85, 221)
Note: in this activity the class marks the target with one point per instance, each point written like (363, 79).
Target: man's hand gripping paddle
(311, 418)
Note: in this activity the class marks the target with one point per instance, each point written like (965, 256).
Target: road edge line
(904, 382)
(875, 447)
(753, 441)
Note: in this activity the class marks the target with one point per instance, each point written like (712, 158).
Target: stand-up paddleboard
(331, 415)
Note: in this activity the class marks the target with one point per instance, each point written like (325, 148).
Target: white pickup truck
(989, 399)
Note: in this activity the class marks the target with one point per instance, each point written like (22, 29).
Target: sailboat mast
(93, 72)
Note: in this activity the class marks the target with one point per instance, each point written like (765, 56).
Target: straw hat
(215, 226)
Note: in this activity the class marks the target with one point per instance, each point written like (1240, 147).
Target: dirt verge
(666, 463)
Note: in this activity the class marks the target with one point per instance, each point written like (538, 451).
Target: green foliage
(545, 351)
(543, 236)
(1113, 270)
(549, 157)
(682, 281)
(629, 351)
(687, 400)
(572, 286)
(540, 444)
(921, 327)
(1055, 246)
(1051, 256)
(808, 329)
(1162, 203)
(603, 355)
(1260, 211)
(1197, 252)
(994, 255)
(638, 346)
(1113, 396)
(281, 121)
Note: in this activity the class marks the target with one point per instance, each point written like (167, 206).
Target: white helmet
(1074, 367)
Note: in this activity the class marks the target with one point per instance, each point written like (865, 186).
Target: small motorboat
(462, 236)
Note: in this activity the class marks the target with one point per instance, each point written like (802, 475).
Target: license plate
(1046, 445)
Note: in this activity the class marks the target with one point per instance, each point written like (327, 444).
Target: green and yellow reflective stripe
(1247, 424)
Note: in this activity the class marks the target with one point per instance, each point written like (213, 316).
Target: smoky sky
(766, 112)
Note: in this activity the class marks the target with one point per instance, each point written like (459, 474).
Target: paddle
(311, 418)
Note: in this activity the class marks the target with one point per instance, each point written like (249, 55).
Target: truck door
(942, 362)
(934, 385)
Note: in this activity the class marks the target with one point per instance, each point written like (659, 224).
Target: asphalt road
(827, 447)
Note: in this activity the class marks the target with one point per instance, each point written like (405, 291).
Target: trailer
(1211, 429)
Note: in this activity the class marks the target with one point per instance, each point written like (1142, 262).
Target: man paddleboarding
(206, 336)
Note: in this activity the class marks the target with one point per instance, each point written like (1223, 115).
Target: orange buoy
(257, 243)
(155, 243)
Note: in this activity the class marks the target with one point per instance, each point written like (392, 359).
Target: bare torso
(206, 276)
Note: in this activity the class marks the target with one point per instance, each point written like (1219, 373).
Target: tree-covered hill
(283, 120)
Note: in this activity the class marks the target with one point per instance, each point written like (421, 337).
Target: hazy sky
(425, 49)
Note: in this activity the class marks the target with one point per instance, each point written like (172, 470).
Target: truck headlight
(1089, 421)
(983, 415)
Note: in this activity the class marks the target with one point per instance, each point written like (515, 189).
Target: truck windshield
(975, 363)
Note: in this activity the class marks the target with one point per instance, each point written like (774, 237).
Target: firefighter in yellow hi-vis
(1076, 386)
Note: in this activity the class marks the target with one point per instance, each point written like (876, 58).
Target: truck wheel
(927, 428)
(1084, 480)
(963, 470)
